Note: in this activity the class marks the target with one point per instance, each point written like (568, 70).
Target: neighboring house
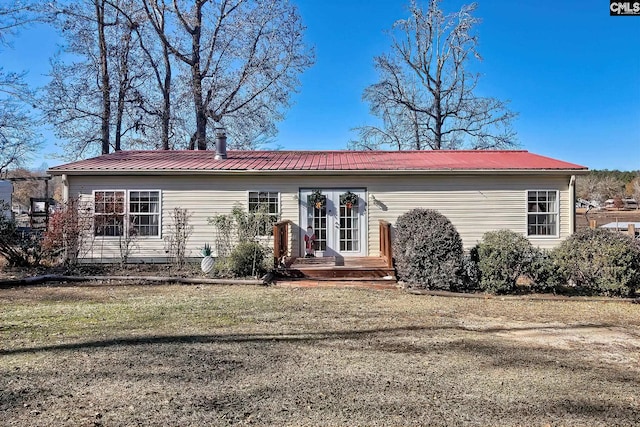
(478, 191)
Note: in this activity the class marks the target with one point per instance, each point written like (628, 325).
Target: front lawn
(219, 355)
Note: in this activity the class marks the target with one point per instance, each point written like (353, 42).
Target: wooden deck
(339, 268)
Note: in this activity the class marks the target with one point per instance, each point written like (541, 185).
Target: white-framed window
(267, 205)
(108, 209)
(144, 213)
(131, 213)
(542, 213)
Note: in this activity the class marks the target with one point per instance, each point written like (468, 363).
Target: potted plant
(206, 265)
(317, 199)
(349, 199)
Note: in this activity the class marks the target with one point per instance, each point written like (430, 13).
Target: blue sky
(571, 71)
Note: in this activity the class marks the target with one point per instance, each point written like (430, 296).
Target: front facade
(477, 191)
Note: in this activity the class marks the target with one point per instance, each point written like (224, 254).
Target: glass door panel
(317, 218)
(338, 220)
(350, 227)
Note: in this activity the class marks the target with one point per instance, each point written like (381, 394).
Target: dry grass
(212, 355)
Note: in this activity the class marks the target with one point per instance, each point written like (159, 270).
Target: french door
(337, 217)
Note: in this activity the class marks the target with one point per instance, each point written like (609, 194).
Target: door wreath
(317, 199)
(349, 199)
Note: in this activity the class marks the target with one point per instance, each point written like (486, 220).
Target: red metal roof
(292, 161)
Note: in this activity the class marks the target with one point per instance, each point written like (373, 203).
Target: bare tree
(426, 95)
(15, 15)
(162, 71)
(243, 58)
(18, 136)
(154, 106)
(636, 190)
(90, 101)
(599, 188)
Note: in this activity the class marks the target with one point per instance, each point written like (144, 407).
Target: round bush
(247, 259)
(599, 262)
(428, 250)
(503, 256)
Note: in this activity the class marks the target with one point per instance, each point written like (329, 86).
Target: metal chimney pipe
(221, 144)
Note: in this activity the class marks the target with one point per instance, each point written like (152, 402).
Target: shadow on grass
(466, 377)
(281, 337)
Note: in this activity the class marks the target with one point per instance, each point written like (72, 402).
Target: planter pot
(319, 254)
(206, 265)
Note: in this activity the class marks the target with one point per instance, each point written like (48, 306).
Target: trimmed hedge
(428, 251)
(599, 262)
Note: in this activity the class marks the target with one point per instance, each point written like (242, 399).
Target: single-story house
(478, 191)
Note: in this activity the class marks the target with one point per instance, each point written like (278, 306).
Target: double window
(126, 213)
(265, 207)
(542, 213)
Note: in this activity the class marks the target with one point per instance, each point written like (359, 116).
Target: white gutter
(572, 204)
(65, 189)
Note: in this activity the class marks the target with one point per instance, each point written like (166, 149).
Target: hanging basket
(317, 199)
(349, 199)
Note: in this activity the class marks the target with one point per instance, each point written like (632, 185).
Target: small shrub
(222, 267)
(177, 236)
(504, 256)
(428, 250)
(247, 259)
(599, 262)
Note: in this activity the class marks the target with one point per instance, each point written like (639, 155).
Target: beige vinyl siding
(474, 203)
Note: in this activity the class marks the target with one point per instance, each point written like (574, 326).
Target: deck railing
(280, 242)
(385, 242)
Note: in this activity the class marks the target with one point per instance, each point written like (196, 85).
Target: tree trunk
(166, 95)
(437, 135)
(196, 75)
(201, 117)
(123, 88)
(416, 130)
(104, 71)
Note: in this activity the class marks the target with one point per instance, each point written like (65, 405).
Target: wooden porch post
(280, 242)
(385, 242)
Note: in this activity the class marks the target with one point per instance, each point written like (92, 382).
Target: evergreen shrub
(599, 262)
(247, 260)
(428, 250)
(504, 256)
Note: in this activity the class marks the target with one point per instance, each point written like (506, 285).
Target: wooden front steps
(376, 285)
(339, 268)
